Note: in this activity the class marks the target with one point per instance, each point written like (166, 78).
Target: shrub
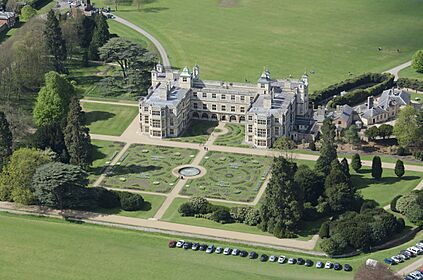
(130, 201)
(239, 213)
(377, 168)
(393, 205)
(253, 217)
(324, 230)
(402, 151)
(356, 162)
(310, 212)
(410, 83)
(418, 155)
(186, 209)
(368, 204)
(411, 206)
(418, 61)
(221, 215)
(399, 168)
(312, 146)
(199, 205)
(400, 225)
(335, 245)
(107, 199)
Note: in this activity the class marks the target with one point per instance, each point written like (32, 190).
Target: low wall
(396, 242)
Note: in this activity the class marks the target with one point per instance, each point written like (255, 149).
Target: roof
(265, 77)
(7, 15)
(393, 97)
(345, 113)
(279, 105)
(174, 96)
(373, 112)
(186, 72)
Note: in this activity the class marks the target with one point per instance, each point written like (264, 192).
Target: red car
(172, 243)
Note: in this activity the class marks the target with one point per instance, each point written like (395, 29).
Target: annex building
(269, 109)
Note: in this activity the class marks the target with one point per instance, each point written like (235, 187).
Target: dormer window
(184, 79)
(263, 85)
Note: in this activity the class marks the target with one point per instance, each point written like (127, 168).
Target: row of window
(262, 132)
(222, 107)
(231, 97)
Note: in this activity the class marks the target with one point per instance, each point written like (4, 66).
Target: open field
(197, 132)
(108, 119)
(330, 38)
(148, 168)
(101, 153)
(409, 72)
(230, 176)
(234, 138)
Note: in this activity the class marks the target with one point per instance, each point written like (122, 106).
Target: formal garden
(197, 132)
(234, 138)
(102, 154)
(148, 168)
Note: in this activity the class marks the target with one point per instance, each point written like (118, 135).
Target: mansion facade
(269, 109)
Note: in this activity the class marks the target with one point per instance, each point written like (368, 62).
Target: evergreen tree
(77, 138)
(6, 140)
(100, 36)
(377, 168)
(310, 182)
(345, 167)
(282, 209)
(399, 168)
(328, 149)
(352, 135)
(336, 175)
(356, 162)
(55, 43)
(51, 136)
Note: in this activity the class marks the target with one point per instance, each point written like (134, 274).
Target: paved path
(394, 71)
(156, 43)
(412, 267)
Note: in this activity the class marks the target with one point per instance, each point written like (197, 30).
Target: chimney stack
(370, 101)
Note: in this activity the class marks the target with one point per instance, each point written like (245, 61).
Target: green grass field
(233, 39)
(149, 168)
(101, 153)
(234, 138)
(108, 119)
(197, 132)
(409, 72)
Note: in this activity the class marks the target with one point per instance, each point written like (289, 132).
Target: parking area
(408, 254)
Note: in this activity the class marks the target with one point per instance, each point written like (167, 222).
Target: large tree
(53, 100)
(100, 36)
(52, 137)
(408, 129)
(418, 61)
(372, 132)
(28, 12)
(286, 145)
(310, 182)
(328, 148)
(385, 130)
(351, 134)
(77, 136)
(55, 43)
(282, 208)
(6, 139)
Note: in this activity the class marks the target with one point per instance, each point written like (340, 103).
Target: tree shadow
(94, 116)
(134, 169)
(155, 9)
(361, 182)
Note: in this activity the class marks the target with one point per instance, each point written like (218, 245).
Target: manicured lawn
(197, 132)
(409, 72)
(234, 138)
(152, 203)
(148, 168)
(287, 36)
(230, 176)
(108, 119)
(388, 187)
(102, 153)
(87, 77)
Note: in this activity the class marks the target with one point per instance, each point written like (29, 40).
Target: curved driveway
(156, 43)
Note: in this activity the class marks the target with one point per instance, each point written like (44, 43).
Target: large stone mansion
(269, 109)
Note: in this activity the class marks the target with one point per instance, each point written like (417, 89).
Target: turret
(185, 78)
(196, 72)
(264, 81)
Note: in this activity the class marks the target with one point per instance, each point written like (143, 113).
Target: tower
(302, 96)
(196, 72)
(185, 78)
(264, 81)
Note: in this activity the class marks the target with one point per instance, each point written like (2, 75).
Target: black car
(187, 245)
(347, 267)
(264, 258)
(337, 266)
(308, 263)
(203, 247)
(253, 255)
(243, 254)
(406, 253)
(195, 246)
(300, 261)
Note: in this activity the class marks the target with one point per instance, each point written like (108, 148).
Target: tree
(28, 12)
(130, 201)
(54, 182)
(372, 132)
(377, 168)
(352, 135)
(55, 43)
(76, 136)
(6, 139)
(281, 210)
(356, 162)
(51, 137)
(310, 182)
(328, 148)
(385, 130)
(15, 179)
(345, 167)
(411, 205)
(53, 100)
(399, 168)
(418, 61)
(284, 144)
(100, 36)
(407, 128)
(324, 230)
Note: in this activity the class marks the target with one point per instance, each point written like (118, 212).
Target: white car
(396, 259)
(235, 252)
(328, 265)
(273, 258)
(417, 275)
(281, 259)
(292, 261)
(413, 250)
(417, 249)
(227, 251)
(180, 243)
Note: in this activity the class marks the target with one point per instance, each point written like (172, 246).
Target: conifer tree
(328, 149)
(6, 140)
(55, 43)
(345, 167)
(399, 168)
(100, 36)
(356, 162)
(377, 168)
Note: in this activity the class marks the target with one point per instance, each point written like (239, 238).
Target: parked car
(227, 251)
(412, 252)
(281, 259)
(195, 246)
(264, 258)
(210, 249)
(300, 261)
(408, 277)
(219, 250)
(253, 255)
(403, 257)
(389, 261)
(328, 265)
(273, 258)
(235, 252)
(319, 264)
(243, 253)
(180, 243)
(292, 261)
(337, 266)
(406, 253)
(396, 259)
(203, 247)
(416, 274)
(347, 267)
(171, 243)
(308, 263)
(187, 245)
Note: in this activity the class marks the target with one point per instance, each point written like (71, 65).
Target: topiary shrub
(377, 168)
(356, 162)
(399, 168)
(393, 205)
(130, 201)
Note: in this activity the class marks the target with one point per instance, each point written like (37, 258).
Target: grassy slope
(108, 119)
(331, 37)
(234, 138)
(409, 72)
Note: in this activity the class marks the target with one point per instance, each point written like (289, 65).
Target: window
(184, 80)
(195, 105)
(276, 120)
(261, 142)
(147, 129)
(214, 107)
(157, 123)
(251, 99)
(157, 133)
(223, 96)
(156, 113)
(171, 131)
(250, 118)
(261, 121)
(145, 109)
(242, 109)
(250, 138)
(250, 128)
(223, 108)
(146, 119)
(261, 132)
(242, 98)
(233, 97)
(232, 108)
(204, 106)
(204, 94)
(171, 121)
(213, 95)
(277, 130)
(194, 94)
(262, 85)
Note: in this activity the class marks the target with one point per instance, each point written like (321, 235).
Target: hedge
(410, 83)
(393, 205)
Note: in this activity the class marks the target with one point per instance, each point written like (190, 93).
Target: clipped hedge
(130, 201)
(410, 83)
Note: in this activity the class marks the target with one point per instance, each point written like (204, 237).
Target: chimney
(267, 102)
(370, 101)
(164, 92)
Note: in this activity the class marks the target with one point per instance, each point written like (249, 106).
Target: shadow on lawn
(94, 116)
(361, 182)
(134, 169)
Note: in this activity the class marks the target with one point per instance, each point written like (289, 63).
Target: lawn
(197, 132)
(234, 138)
(409, 72)
(230, 176)
(148, 168)
(388, 187)
(102, 154)
(108, 119)
(327, 38)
